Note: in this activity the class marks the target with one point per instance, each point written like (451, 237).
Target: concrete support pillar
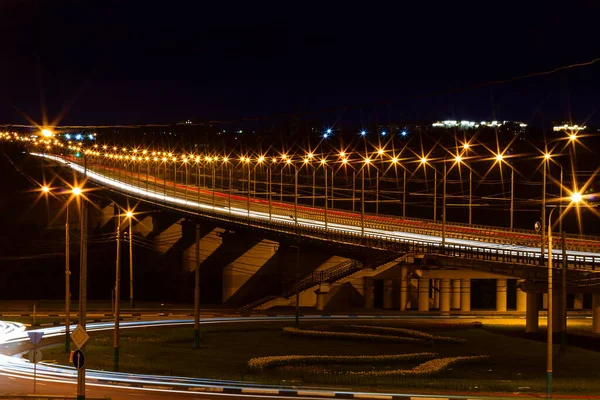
(445, 295)
(369, 285)
(403, 288)
(388, 286)
(521, 297)
(596, 313)
(322, 296)
(501, 294)
(531, 315)
(578, 301)
(465, 294)
(545, 301)
(436, 293)
(423, 294)
(455, 302)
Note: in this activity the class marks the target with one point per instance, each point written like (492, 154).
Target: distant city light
(78, 136)
(363, 133)
(46, 133)
(567, 127)
(328, 131)
(68, 136)
(403, 133)
(383, 133)
(91, 137)
(576, 197)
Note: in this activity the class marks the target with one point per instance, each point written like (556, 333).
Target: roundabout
(367, 357)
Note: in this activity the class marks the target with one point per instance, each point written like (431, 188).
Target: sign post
(35, 355)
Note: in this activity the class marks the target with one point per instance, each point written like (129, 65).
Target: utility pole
(117, 294)
(131, 302)
(197, 291)
(563, 337)
(82, 291)
(67, 283)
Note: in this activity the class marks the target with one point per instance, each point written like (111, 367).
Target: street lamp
(129, 215)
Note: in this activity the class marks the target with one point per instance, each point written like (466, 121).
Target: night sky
(113, 62)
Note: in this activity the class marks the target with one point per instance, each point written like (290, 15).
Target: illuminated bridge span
(235, 201)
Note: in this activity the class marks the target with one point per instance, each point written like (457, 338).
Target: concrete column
(465, 294)
(388, 286)
(501, 294)
(531, 315)
(369, 292)
(403, 288)
(455, 302)
(322, 296)
(423, 294)
(596, 313)
(545, 301)
(521, 297)
(578, 301)
(436, 293)
(445, 295)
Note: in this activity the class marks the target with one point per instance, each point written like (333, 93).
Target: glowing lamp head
(367, 161)
(576, 197)
(344, 160)
(328, 131)
(342, 154)
(46, 133)
(283, 156)
(288, 161)
(380, 151)
(394, 160)
(363, 133)
(423, 160)
(225, 159)
(261, 159)
(323, 161)
(572, 137)
(76, 191)
(310, 155)
(465, 146)
(547, 156)
(45, 189)
(499, 157)
(306, 160)
(129, 214)
(458, 159)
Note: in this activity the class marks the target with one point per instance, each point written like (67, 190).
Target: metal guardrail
(382, 242)
(47, 397)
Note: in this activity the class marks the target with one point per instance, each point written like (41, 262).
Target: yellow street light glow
(572, 137)
(310, 155)
(499, 157)
(288, 161)
(129, 214)
(380, 151)
(465, 146)
(274, 159)
(46, 133)
(242, 159)
(164, 159)
(458, 159)
(76, 191)
(394, 160)
(576, 197)
(323, 161)
(45, 189)
(184, 160)
(207, 158)
(261, 159)
(225, 159)
(283, 156)
(423, 160)
(342, 154)
(547, 156)
(306, 160)
(344, 160)
(367, 161)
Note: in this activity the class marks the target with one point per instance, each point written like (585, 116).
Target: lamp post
(67, 282)
(117, 295)
(129, 216)
(82, 286)
(550, 307)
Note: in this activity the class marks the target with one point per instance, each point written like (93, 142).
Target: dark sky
(164, 61)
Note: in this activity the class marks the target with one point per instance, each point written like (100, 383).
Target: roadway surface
(199, 199)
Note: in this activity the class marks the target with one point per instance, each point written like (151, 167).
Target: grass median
(515, 364)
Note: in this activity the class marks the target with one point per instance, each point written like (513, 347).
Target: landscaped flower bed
(262, 363)
(427, 368)
(407, 332)
(351, 336)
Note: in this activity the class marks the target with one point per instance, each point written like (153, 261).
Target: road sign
(35, 337)
(79, 336)
(35, 355)
(78, 359)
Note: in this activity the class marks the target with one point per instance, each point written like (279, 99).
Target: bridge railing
(381, 241)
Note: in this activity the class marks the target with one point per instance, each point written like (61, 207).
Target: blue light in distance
(363, 133)
(68, 136)
(383, 133)
(91, 136)
(403, 133)
(328, 131)
(325, 135)
(78, 136)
